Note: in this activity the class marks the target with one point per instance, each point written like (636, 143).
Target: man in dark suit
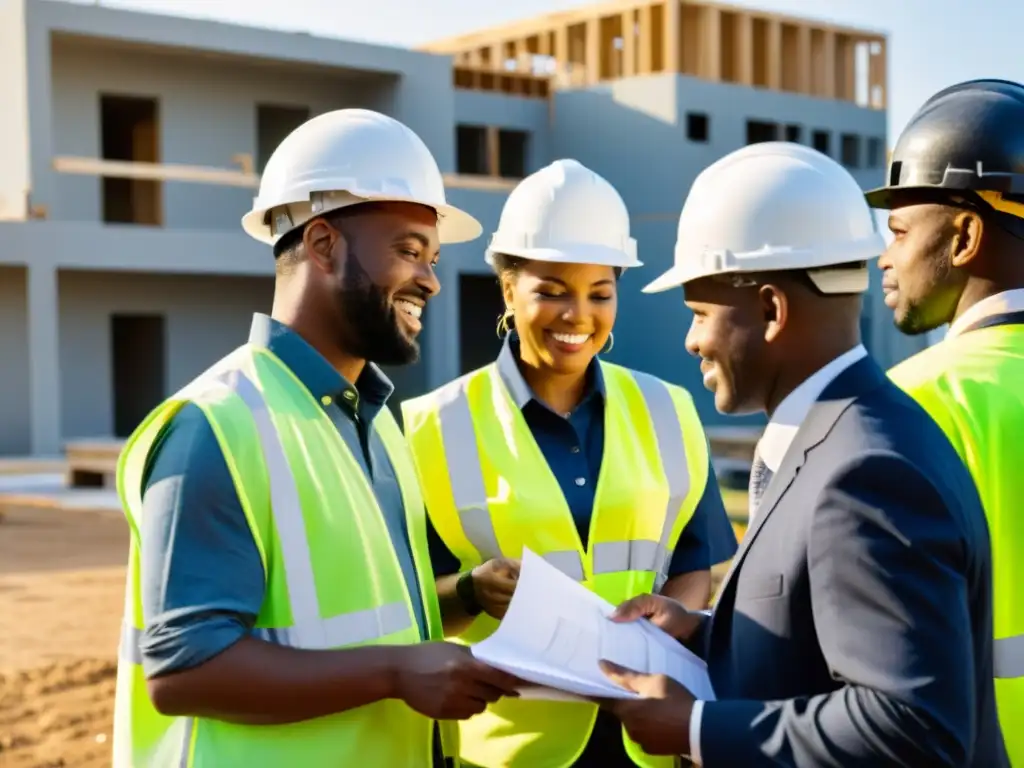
(854, 627)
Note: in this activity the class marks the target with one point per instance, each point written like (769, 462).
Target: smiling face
(919, 276)
(728, 334)
(563, 312)
(386, 253)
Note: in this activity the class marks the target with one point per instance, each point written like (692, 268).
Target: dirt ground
(61, 595)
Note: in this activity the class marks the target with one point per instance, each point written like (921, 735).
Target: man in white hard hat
(280, 588)
(855, 625)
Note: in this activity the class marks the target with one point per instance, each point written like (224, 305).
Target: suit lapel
(859, 378)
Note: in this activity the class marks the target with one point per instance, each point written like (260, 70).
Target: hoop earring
(505, 323)
(611, 343)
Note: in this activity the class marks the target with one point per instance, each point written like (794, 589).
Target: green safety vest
(973, 386)
(490, 493)
(332, 577)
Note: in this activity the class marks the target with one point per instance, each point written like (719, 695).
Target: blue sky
(933, 43)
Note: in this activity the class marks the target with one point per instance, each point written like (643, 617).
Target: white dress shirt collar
(1000, 303)
(792, 411)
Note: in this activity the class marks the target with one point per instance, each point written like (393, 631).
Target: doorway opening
(138, 357)
(480, 306)
(129, 132)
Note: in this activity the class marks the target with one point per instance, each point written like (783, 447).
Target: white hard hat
(775, 206)
(565, 213)
(347, 157)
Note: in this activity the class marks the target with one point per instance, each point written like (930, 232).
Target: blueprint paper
(556, 630)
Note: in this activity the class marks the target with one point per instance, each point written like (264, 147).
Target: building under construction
(133, 145)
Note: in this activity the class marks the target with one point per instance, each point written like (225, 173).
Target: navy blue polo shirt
(573, 446)
(202, 577)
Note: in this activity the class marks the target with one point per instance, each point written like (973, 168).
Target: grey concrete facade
(64, 273)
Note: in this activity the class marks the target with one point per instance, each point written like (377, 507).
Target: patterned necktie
(760, 476)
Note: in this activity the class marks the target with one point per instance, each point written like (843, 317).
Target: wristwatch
(467, 594)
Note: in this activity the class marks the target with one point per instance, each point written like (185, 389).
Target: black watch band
(464, 589)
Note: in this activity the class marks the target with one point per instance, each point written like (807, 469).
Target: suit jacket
(855, 626)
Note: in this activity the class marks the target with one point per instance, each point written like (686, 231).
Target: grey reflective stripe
(186, 740)
(568, 562)
(465, 472)
(636, 555)
(669, 433)
(286, 508)
(129, 647)
(1009, 657)
(346, 629)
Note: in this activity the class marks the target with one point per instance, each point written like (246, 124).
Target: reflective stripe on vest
(470, 496)
(1009, 657)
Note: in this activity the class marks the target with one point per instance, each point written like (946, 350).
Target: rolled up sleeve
(202, 576)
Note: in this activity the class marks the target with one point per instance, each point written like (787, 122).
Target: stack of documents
(556, 631)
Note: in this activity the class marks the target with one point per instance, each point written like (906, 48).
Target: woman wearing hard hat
(601, 470)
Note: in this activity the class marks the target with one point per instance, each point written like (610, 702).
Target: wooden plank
(828, 68)
(482, 183)
(592, 51)
(803, 56)
(712, 44)
(645, 60)
(123, 169)
(671, 27)
(773, 52)
(493, 166)
(628, 52)
(745, 48)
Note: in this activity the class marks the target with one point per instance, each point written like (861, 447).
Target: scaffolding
(715, 42)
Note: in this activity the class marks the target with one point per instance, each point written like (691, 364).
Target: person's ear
(968, 230)
(508, 291)
(774, 308)
(320, 240)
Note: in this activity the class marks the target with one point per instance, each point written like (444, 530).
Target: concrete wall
(15, 419)
(206, 317)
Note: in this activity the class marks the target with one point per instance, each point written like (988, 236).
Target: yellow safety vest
(972, 386)
(489, 493)
(332, 580)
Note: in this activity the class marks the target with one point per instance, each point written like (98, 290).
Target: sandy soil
(61, 594)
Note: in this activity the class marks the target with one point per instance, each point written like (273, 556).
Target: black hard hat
(966, 144)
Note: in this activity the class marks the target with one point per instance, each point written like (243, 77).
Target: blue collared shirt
(202, 577)
(573, 446)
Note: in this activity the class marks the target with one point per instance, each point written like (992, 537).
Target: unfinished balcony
(718, 43)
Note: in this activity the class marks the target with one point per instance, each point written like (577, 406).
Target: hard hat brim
(588, 253)
(769, 259)
(676, 277)
(454, 224)
(880, 197)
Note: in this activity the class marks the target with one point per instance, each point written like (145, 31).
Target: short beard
(913, 323)
(372, 330)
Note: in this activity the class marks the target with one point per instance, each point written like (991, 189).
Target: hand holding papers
(556, 631)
